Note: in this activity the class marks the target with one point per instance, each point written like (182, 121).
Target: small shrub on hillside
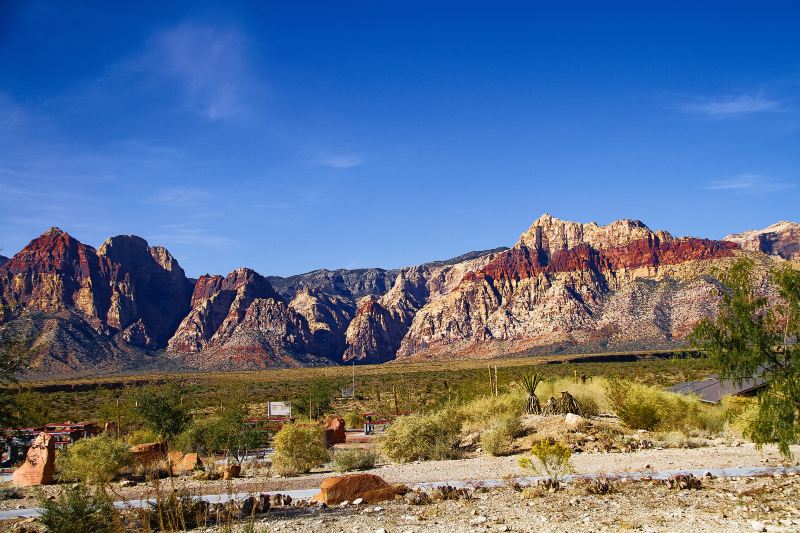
(497, 439)
(353, 419)
(94, 460)
(77, 510)
(423, 436)
(141, 436)
(549, 459)
(355, 459)
(298, 449)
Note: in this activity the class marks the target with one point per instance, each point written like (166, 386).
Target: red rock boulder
(39, 465)
(368, 487)
(149, 453)
(180, 462)
(335, 423)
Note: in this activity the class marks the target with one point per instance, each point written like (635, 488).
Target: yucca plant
(528, 384)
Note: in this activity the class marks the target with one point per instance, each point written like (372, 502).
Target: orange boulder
(39, 465)
(368, 487)
(181, 463)
(335, 424)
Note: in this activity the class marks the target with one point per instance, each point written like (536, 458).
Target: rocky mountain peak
(549, 234)
(781, 239)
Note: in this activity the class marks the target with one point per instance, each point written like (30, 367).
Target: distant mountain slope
(563, 286)
(3, 260)
(781, 239)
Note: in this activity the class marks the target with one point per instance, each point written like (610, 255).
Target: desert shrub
(77, 510)
(588, 403)
(141, 436)
(355, 459)
(299, 448)
(650, 408)
(353, 419)
(479, 413)
(498, 437)
(591, 395)
(423, 436)
(177, 511)
(11, 493)
(94, 460)
(549, 459)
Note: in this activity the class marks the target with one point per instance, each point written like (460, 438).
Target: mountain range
(564, 286)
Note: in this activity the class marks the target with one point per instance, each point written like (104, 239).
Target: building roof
(712, 390)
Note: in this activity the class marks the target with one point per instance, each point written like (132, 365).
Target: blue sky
(289, 136)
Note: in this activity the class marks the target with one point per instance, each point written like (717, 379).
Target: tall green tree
(161, 410)
(752, 338)
(13, 357)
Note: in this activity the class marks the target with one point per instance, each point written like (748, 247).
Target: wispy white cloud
(730, 105)
(750, 183)
(181, 196)
(184, 234)
(343, 161)
(208, 63)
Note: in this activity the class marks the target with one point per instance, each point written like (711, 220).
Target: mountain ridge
(563, 285)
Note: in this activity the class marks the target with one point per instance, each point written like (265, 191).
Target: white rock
(358, 501)
(757, 526)
(344, 503)
(573, 419)
(478, 520)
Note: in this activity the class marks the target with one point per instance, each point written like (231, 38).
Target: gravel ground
(745, 504)
(473, 469)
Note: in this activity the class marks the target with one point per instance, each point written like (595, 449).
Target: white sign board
(279, 409)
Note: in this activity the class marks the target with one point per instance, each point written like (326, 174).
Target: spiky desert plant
(528, 383)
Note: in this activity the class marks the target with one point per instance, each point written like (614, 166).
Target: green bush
(478, 414)
(141, 436)
(161, 411)
(77, 510)
(423, 436)
(549, 459)
(355, 459)
(498, 437)
(650, 408)
(353, 419)
(299, 448)
(94, 460)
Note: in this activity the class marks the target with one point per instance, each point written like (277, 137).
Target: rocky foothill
(563, 285)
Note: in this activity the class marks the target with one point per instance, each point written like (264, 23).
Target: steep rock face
(327, 317)
(781, 239)
(85, 307)
(149, 294)
(380, 324)
(568, 283)
(218, 306)
(239, 321)
(269, 335)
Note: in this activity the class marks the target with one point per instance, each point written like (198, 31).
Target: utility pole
(354, 379)
(394, 392)
(496, 386)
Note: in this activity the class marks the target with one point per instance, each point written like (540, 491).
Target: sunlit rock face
(567, 283)
(781, 239)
